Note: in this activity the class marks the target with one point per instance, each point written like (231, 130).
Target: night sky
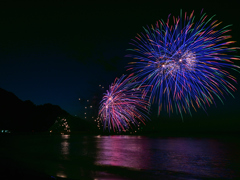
(59, 52)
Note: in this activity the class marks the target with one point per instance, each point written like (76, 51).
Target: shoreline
(147, 134)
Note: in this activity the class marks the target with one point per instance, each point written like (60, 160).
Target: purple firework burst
(123, 105)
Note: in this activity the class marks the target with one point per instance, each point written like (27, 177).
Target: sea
(119, 157)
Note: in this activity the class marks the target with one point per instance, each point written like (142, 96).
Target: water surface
(124, 157)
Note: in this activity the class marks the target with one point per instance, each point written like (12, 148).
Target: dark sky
(59, 52)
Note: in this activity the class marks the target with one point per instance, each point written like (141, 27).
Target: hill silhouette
(24, 116)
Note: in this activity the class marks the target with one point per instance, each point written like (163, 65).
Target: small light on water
(61, 175)
(65, 136)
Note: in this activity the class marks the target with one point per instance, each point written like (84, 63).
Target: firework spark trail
(183, 65)
(123, 105)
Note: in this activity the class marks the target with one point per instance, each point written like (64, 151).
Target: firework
(184, 65)
(123, 105)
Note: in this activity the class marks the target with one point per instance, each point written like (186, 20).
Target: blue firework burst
(184, 65)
